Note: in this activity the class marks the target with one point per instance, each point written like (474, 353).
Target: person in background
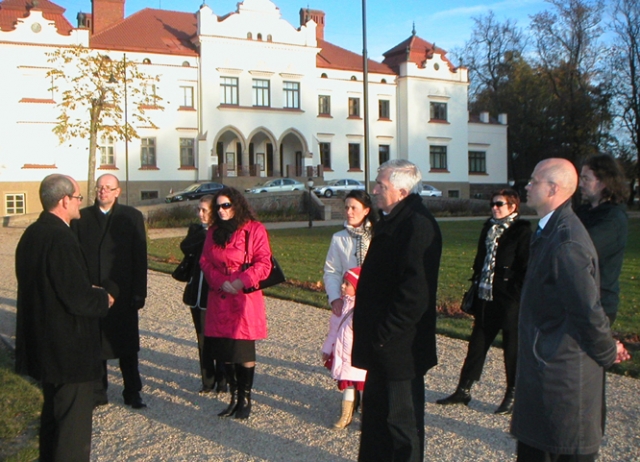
(58, 329)
(604, 190)
(236, 256)
(114, 241)
(336, 351)
(565, 342)
(394, 320)
(499, 268)
(348, 246)
(195, 295)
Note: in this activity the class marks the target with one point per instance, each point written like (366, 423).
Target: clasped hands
(234, 287)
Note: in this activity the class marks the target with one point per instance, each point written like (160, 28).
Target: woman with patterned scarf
(347, 250)
(498, 269)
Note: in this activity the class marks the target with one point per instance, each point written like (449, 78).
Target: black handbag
(276, 275)
(182, 272)
(469, 298)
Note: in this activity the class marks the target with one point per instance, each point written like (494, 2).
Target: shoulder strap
(246, 246)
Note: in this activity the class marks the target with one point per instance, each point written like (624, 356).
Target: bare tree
(92, 89)
(625, 66)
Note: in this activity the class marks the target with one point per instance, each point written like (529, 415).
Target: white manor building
(244, 95)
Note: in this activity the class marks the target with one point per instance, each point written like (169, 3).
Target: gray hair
(53, 188)
(404, 175)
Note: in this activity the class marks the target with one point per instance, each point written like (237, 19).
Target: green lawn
(301, 252)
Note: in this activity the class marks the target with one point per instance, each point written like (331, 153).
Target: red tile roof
(414, 50)
(154, 31)
(333, 57)
(12, 10)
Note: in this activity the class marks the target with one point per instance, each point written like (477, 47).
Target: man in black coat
(58, 331)
(114, 242)
(394, 318)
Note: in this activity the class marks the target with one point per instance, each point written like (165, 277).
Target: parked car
(195, 191)
(333, 186)
(281, 184)
(428, 190)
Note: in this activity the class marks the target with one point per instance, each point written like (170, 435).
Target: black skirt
(230, 350)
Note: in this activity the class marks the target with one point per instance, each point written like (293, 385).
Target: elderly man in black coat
(113, 239)
(58, 331)
(394, 318)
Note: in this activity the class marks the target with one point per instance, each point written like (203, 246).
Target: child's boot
(346, 416)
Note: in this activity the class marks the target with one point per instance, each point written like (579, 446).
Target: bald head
(107, 191)
(553, 182)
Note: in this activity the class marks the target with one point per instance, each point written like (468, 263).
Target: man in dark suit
(113, 239)
(395, 317)
(58, 331)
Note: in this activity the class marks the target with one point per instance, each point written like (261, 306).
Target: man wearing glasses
(58, 329)
(113, 239)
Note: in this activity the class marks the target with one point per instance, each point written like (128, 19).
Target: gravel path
(295, 400)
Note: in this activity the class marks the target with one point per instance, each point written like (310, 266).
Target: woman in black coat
(195, 296)
(498, 269)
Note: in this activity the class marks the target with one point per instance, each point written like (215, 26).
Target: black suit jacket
(115, 246)
(57, 330)
(394, 321)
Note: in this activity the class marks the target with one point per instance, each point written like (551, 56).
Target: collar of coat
(561, 212)
(405, 207)
(113, 208)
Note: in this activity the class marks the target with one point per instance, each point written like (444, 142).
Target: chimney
(502, 118)
(106, 13)
(318, 17)
(484, 117)
(84, 20)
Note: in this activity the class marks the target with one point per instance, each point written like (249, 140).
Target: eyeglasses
(497, 204)
(224, 206)
(105, 188)
(80, 197)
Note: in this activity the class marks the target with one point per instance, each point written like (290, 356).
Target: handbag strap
(246, 246)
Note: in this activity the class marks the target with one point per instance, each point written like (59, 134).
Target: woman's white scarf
(485, 286)
(362, 236)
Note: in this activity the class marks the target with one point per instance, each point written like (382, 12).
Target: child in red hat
(336, 351)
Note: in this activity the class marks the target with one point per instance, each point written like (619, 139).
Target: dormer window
(249, 36)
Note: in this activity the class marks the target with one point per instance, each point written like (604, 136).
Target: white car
(333, 186)
(430, 191)
(279, 185)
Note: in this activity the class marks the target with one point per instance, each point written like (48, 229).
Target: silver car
(430, 191)
(333, 186)
(279, 185)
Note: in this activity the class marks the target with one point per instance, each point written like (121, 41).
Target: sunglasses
(497, 204)
(225, 206)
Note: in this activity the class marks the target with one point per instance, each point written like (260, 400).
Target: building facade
(246, 96)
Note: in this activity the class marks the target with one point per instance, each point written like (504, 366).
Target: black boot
(230, 373)
(245, 383)
(507, 403)
(461, 395)
(220, 378)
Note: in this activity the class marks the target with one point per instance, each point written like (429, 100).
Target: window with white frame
(229, 90)
(324, 105)
(147, 152)
(477, 162)
(354, 107)
(383, 109)
(187, 159)
(150, 94)
(354, 156)
(261, 93)
(187, 96)
(107, 151)
(438, 157)
(325, 154)
(438, 111)
(291, 94)
(14, 204)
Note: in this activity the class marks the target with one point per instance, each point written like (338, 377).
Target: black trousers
(205, 356)
(486, 326)
(130, 377)
(65, 422)
(527, 453)
(392, 420)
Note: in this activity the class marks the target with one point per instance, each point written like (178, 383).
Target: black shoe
(100, 402)
(462, 395)
(245, 383)
(221, 386)
(506, 407)
(135, 402)
(205, 390)
(230, 374)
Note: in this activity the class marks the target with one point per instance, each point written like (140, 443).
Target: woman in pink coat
(235, 319)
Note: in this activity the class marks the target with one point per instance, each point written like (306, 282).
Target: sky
(446, 23)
